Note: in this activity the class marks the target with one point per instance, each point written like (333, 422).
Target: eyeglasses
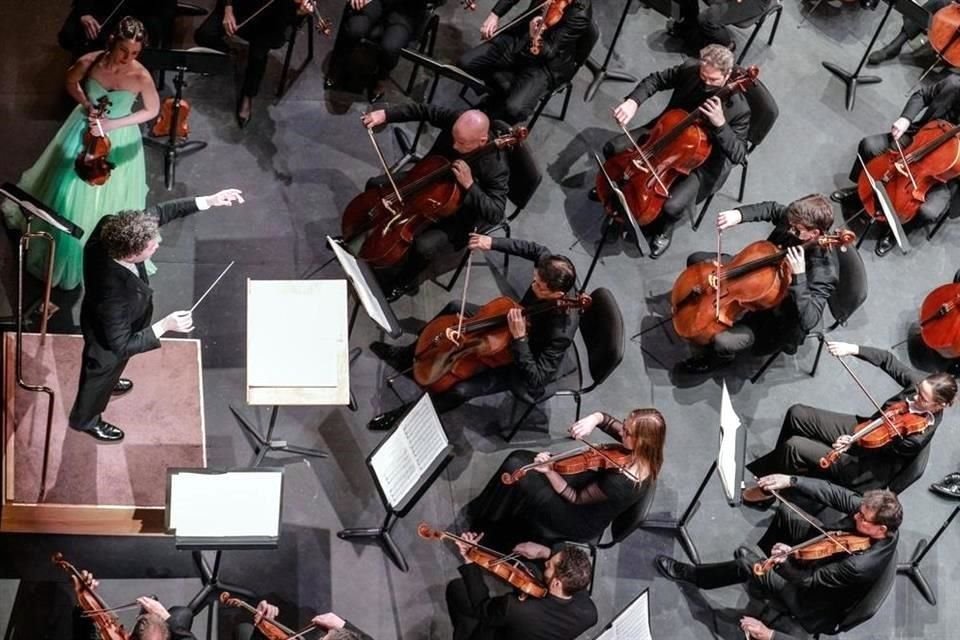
(862, 518)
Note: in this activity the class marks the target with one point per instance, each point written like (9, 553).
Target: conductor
(118, 304)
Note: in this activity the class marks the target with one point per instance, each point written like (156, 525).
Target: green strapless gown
(53, 181)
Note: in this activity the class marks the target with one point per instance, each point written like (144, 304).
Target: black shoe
(883, 54)
(123, 386)
(951, 479)
(400, 358)
(673, 570)
(946, 490)
(705, 363)
(659, 244)
(400, 290)
(682, 29)
(884, 245)
(106, 432)
(242, 121)
(385, 421)
(842, 196)
(593, 195)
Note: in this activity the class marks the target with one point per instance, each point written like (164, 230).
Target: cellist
(694, 84)
(814, 279)
(908, 31)
(484, 180)
(802, 598)
(938, 101)
(538, 344)
(809, 433)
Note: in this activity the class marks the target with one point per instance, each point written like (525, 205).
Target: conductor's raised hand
(489, 26)
(624, 112)
(841, 349)
(179, 321)
(224, 198)
(479, 242)
(729, 218)
(374, 119)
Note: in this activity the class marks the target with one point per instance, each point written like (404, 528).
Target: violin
(676, 146)
(161, 127)
(93, 607)
(390, 217)
(579, 460)
(820, 547)
(940, 320)
(452, 348)
(507, 568)
(93, 165)
(269, 629)
(895, 423)
(324, 26)
(551, 15)
(932, 158)
(708, 299)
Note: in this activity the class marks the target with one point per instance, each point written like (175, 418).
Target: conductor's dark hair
(574, 569)
(128, 233)
(886, 508)
(557, 272)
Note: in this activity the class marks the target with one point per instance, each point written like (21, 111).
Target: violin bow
(883, 200)
(873, 401)
(526, 14)
(463, 299)
(386, 170)
(906, 164)
(717, 288)
(253, 15)
(803, 516)
(92, 612)
(603, 454)
(111, 14)
(644, 158)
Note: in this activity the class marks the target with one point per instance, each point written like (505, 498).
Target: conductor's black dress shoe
(123, 386)
(105, 432)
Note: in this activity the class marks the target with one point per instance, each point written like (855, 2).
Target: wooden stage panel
(92, 487)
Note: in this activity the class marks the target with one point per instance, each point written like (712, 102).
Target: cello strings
(643, 156)
(906, 164)
(386, 169)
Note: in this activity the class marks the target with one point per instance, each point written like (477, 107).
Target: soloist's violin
(579, 460)
(93, 164)
(940, 320)
(820, 547)
(895, 423)
(93, 607)
(507, 568)
(708, 298)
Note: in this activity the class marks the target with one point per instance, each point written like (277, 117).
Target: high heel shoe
(242, 121)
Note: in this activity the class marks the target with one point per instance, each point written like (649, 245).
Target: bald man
(484, 179)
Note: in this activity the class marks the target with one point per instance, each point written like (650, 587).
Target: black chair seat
(189, 10)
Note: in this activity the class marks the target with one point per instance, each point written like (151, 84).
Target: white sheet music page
(352, 271)
(633, 623)
(223, 505)
(727, 457)
(409, 451)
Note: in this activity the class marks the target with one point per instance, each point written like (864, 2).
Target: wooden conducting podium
(297, 352)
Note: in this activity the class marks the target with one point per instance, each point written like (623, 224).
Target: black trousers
(466, 623)
(530, 80)
(398, 30)
(938, 197)
(159, 23)
(263, 34)
(712, 22)
(99, 373)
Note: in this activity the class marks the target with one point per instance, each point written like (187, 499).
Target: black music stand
(207, 62)
(600, 71)
(910, 11)
(912, 569)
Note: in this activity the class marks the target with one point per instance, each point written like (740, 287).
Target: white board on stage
(297, 345)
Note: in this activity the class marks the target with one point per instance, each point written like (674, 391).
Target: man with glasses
(813, 279)
(804, 597)
(809, 434)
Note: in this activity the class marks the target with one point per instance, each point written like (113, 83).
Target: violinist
(546, 506)
(814, 277)
(937, 101)
(908, 31)
(693, 85)
(90, 22)
(264, 24)
(398, 22)
(563, 614)
(511, 50)
(804, 597)
(335, 627)
(484, 180)
(808, 434)
(538, 344)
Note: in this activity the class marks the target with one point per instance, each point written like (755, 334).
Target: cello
(452, 348)
(940, 320)
(708, 298)
(93, 607)
(932, 158)
(506, 567)
(676, 146)
(390, 217)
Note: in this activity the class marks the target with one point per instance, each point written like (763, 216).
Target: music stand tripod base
(851, 80)
(912, 569)
(207, 597)
(382, 536)
(266, 444)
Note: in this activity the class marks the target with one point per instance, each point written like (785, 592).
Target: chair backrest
(602, 329)
(873, 600)
(525, 174)
(910, 473)
(763, 112)
(631, 519)
(851, 290)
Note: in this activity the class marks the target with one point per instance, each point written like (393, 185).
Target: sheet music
(360, 286)
(409, 451)
(222, 505)
(727, 457)
(633, 623)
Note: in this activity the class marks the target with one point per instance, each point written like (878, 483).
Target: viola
(452, 348)
(511, 572)
(940, 320)
(161, 127)
(592, 458)
(944, 33)
(390, 217)
(932, 158)
(269, 629)
(552, 14)
(708, 299)
(820, 547)
(93, 164)
(93, 607)
(676, 146)
(324, 26)
(895, 423)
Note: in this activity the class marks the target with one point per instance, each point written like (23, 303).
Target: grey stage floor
(300, 162)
